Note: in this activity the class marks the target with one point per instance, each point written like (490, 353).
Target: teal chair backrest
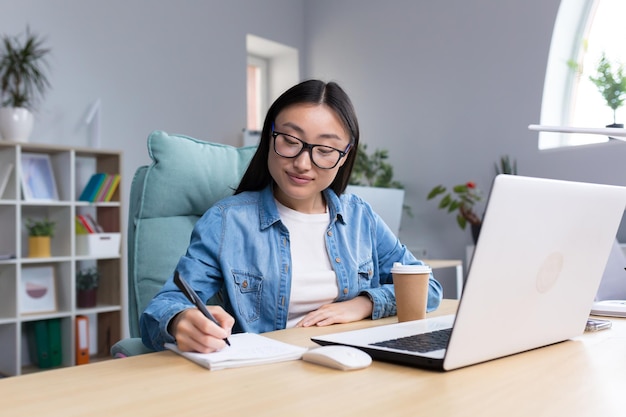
(167, 197)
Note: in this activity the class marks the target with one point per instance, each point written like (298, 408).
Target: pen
(194, 298)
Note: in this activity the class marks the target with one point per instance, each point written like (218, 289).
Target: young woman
(289, 248)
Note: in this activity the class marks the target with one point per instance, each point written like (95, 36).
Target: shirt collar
(269, 214)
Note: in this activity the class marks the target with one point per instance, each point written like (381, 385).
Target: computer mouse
(345, 358)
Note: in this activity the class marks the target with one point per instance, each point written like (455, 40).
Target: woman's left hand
(342, 312)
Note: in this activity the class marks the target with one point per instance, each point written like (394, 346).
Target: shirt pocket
(366, 272)
(248, 294)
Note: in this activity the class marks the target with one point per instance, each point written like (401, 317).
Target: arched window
(584, 30)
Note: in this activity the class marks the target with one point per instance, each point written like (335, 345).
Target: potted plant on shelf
(23, 79)
(87, 282)
(372, 180)
(40, 233)
(461, 199)
(506, 166)
(612, 85)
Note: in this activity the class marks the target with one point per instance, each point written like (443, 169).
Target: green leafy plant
(461, 200)
(506, 166)
(23, 68)
(611, 83)
(87, 279)
(43, 227)
(372, 170)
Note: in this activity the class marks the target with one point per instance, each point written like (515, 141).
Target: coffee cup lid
(398, 268)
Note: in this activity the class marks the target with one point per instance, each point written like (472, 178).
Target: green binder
(55, 348)
(39, 344)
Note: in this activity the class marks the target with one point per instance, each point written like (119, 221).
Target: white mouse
(345, 358)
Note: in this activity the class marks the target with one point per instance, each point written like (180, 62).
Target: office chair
(167, 197)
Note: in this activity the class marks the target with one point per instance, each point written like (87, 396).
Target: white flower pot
(16, 124)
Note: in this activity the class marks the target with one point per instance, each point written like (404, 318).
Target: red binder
(82, 340)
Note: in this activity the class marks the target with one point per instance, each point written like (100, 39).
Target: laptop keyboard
(422, 343)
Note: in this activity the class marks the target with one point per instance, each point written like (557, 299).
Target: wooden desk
(583, 377)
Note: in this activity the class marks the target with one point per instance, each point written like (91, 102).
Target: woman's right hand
(196, 333)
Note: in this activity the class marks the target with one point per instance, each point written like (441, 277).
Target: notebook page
(246, 349)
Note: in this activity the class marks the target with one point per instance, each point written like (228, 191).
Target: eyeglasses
(324, 157)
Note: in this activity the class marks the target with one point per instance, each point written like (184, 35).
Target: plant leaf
(445, 201)
(461, 221)
(440, 189)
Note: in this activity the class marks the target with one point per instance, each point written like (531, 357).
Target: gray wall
(447, 86)
(177, 66)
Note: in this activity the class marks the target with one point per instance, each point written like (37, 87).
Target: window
(271, 69)
(258, 101)
(584, 30)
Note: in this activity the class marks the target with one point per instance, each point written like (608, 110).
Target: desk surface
(581, 377)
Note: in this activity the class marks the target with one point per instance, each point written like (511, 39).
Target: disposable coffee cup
(411, 287)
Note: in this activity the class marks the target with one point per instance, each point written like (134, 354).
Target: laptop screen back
(536, 267)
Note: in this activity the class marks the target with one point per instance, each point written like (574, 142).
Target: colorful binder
(101, 180)
(106, 185)
(100, 187)
(113, 186)
(92, 187)
(85, 224)
(82, 340)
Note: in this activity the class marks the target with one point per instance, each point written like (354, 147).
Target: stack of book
(86, 224)
(100, 187)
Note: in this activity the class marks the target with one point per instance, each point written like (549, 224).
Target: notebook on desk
(532, 280)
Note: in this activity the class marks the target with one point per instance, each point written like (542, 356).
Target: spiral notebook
(246, 349)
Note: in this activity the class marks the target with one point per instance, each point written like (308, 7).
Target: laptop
(611, 296)
(532, 280)
(613, 283)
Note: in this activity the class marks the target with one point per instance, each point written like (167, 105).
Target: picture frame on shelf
(38, 182)
(37, 292)
(5, 174)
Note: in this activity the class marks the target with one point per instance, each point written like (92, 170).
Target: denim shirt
(240, 249)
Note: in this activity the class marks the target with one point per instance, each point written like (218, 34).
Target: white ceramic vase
(16, 124)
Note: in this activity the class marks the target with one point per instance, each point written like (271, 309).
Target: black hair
(257, 176)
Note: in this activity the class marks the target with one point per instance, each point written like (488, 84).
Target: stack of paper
(245, 349)
(611, 308)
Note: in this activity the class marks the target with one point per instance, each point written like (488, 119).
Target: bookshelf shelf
(72, 168)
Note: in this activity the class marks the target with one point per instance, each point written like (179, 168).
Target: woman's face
(298, 182)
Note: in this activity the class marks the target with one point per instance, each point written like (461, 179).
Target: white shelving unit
(72, 168)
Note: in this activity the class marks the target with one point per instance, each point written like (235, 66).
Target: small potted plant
(461, 200)
(506, 166)
(40, 233)
(611, 83)
(373, 170)
(23, 80)
(87, 282)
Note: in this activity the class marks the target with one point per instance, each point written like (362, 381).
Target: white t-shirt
(313, 281)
